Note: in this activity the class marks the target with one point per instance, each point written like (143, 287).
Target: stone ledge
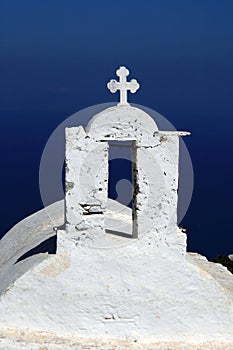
(11, 339)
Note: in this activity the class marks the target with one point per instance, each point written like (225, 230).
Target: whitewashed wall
(100, 286)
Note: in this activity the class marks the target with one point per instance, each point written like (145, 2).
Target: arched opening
(122, 182)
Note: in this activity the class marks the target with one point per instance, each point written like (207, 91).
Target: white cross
(123, 85)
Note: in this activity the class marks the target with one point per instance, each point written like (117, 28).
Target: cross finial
(123, 85)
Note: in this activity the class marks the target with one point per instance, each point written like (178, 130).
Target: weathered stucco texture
(155, 174)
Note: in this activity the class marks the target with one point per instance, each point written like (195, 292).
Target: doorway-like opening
(122, 185)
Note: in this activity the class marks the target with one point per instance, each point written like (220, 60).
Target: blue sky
(56, 57)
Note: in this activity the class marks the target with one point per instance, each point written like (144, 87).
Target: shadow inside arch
(48, 246)
(118, 233)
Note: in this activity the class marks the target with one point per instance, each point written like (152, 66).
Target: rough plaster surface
(102, 289)
(155, 175)
(139, 295)
(12, 340)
